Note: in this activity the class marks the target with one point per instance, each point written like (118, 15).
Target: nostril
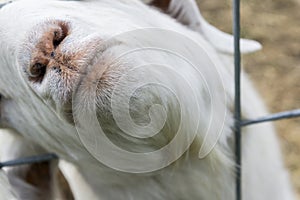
(57, 39)
(60, 34)
(37, 72)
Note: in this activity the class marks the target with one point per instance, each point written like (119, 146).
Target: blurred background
(276, 69)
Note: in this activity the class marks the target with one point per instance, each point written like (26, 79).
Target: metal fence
(239, 123)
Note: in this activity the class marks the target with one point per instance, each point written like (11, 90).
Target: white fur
(5, 189)
(36, 110)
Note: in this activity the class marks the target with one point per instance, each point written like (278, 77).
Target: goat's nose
(46, 49)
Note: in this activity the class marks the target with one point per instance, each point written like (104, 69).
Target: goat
(137, 95)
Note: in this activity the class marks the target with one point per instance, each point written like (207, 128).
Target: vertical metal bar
(237, 112)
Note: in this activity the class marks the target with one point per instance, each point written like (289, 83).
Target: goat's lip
(91, 72)
(85, 85)
(92, 51)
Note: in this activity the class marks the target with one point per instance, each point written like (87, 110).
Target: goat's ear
(187, 13)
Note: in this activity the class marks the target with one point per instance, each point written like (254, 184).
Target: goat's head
(64, 62)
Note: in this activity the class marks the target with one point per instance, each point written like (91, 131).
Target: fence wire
(29, 160)
(3, 4)
(237, 106)
(273, 117)
(239, 123)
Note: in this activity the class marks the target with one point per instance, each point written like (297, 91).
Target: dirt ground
(276, 69)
